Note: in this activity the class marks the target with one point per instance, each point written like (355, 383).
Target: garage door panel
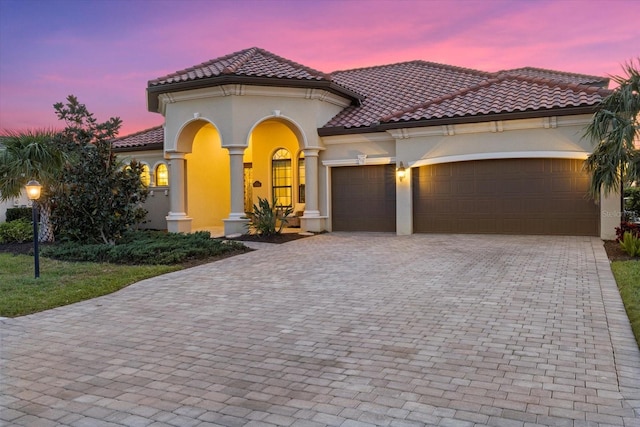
(516, 196)
(363, 198)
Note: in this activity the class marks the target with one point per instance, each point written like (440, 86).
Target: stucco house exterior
(412, 147)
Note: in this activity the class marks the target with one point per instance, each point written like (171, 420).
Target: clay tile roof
(503, 94)
(395, 87)
(402, 92)
(252, 62)
(148, 139)
(249, 66)
(560, 76)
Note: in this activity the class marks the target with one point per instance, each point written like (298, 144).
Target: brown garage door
(510, 196)
(363, 198)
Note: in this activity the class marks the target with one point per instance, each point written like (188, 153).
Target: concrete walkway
(342, 330)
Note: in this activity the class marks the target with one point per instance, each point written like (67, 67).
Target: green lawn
(62, 283)
(627, 274)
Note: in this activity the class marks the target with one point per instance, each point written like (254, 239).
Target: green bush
(265, 217)
(630, 244)
(19, 213)
(147, 247)
(16, 231)
(632, 199)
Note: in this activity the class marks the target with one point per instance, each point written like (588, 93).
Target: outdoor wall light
(401, 171)
(33, 193)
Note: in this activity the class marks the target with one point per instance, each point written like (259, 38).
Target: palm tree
(31, 154)
(615, 128)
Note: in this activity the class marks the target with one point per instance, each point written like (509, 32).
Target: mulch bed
(615, 252)
(17, 248)
(276, 238)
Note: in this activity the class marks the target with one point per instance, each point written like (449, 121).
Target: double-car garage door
(503, 196)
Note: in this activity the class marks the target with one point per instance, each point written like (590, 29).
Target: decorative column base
(178, 222)
(315, 224)
(235, 226)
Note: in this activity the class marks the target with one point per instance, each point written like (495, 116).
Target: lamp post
(33, 193)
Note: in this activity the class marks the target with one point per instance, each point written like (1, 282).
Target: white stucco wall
(12, 203)
(235, 111)
(552, 137)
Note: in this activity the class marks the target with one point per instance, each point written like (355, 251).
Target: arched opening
(274, 163)
(162, 175)
(207, 179)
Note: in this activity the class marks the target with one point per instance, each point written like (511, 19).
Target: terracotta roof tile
(147, 139)
(559, 76)
(407, 91)
(252, 62)
(503, 94)
(395, 87)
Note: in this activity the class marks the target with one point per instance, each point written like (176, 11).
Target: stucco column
(177, 219)
(311, 219)
(404, 205)
(236, 223)
(311, 184)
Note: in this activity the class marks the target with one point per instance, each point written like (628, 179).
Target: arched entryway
(276, 163)
(207, 179)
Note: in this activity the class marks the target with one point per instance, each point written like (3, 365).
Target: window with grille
(301, 177)
(162, 175)
(281, 177)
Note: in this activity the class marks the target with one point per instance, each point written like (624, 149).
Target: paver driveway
(341, 329)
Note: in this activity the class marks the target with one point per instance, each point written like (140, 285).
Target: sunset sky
(105, 51)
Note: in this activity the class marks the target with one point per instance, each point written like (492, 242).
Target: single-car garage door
(509, 196)
(363, 198)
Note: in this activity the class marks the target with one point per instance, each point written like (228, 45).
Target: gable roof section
(253, 66)
(149, 139)
(422, 93)
(507, 95)
(396, 87)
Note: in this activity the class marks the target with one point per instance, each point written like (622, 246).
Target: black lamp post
(33, 193)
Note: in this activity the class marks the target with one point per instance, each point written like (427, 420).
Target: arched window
(301, 177)
(281, 177)
(145, 176)
(162, 175)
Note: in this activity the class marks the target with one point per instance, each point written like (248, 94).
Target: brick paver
(341, 330)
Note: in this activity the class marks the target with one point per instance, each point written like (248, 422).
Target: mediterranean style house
(412, 147)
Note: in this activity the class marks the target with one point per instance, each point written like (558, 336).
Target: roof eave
(154, 91)
(148, 147)
(382, 127)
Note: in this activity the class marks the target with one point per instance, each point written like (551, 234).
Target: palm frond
(614, 130)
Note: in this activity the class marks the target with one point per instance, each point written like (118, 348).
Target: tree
(32, 154)
(614, 128)
(99, 197)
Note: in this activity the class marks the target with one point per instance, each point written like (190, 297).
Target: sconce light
(401, 171)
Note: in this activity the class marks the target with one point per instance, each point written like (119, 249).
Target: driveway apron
(340, 329)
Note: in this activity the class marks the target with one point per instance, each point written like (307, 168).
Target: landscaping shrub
(147, 247)
(631, 244)
(632, 199)
(265, 217)
(624, 227)
(18, 213)
(16, 231)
